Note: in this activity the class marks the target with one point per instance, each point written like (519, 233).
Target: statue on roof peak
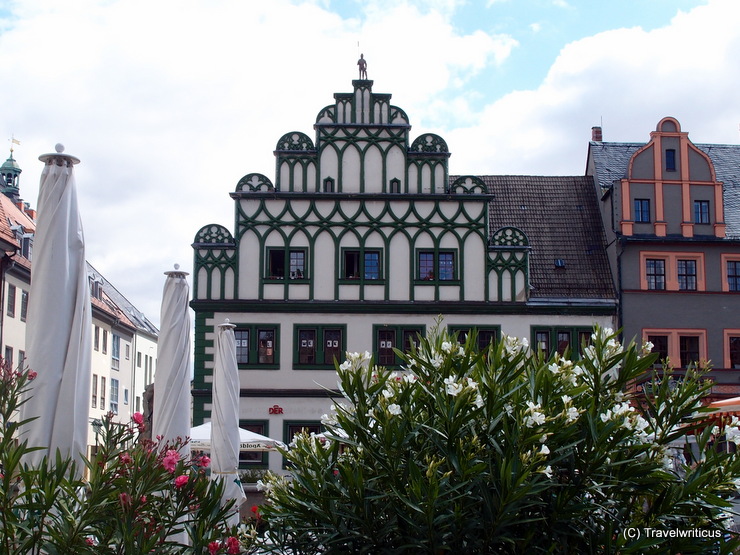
(362, 64)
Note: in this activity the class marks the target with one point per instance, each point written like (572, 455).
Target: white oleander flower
(453, 388)
(394, 409)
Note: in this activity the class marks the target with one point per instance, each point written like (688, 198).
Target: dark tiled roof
(561, 218)
(612, 159)
(122, 304)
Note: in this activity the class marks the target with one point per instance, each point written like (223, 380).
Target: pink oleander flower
(232, 546)
(170, 460)
(213, 548)
(142, 499)
(125, 458)
(205, 461)
(125, 500)
(32, 375)
(181, 480)
(138, 418)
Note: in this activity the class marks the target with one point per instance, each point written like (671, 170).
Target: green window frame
(317, 347)
(257, 346)
(436, 266)
(286, 262)
(362, 264)
(550, 339)
(387, 338)
(291, 428)
(486, 334)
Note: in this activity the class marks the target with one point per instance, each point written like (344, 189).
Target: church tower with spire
(10, 173)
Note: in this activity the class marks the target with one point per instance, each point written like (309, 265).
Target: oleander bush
(136, 497)
(509, 451)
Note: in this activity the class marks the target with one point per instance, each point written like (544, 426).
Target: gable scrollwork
(430, 143)
(255, 183)
(509, 237)
(468, 184)
(295, 141)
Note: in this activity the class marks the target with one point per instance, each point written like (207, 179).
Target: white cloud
(630, 78)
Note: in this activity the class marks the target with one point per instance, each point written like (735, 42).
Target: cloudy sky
(168, 103)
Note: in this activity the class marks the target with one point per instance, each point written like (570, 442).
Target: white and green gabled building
(362, 241)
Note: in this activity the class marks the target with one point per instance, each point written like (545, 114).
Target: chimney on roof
(596, 134)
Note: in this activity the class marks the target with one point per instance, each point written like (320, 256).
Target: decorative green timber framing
(255, 182)
(342, 147)
(428, 156)
(299, 220)
(203, 366)
(508, 258)
(468, 184)
(216, 263)
(296, 162)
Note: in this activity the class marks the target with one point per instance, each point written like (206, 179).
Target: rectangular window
(125, 395)
(138, 359)
(733, 275)
(436, 266)
(242, 346)
(734, 344)
(542, 340)
(563, 341)
(21, 360)
(687, 275)
(114, 396)
(115, 351)
(24, 305)
(660, 346)
(332, 346)
(253, 458)
(277, 268)
(683, 347)
(642, 210)
(387, 338)
(105, 341)
(9, 356)
(257, 345)
(486, 335)
(386, 343)
(11, 301)
(670, 160)
(361, 264)
(689, 350)
(307, 346)
(128, 351)
(655, 273)
(701, 211)
(560, 338)
(292, 429)
(266, 346)
(96, 339)
(318, 346)
(102, 392)
(94, 391)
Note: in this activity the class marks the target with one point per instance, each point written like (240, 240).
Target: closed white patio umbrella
(225, 419)
(59, 319)
(171, 418)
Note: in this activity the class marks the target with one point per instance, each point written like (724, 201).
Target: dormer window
(670, 160)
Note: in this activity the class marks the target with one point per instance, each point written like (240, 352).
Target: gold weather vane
(13, 141)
